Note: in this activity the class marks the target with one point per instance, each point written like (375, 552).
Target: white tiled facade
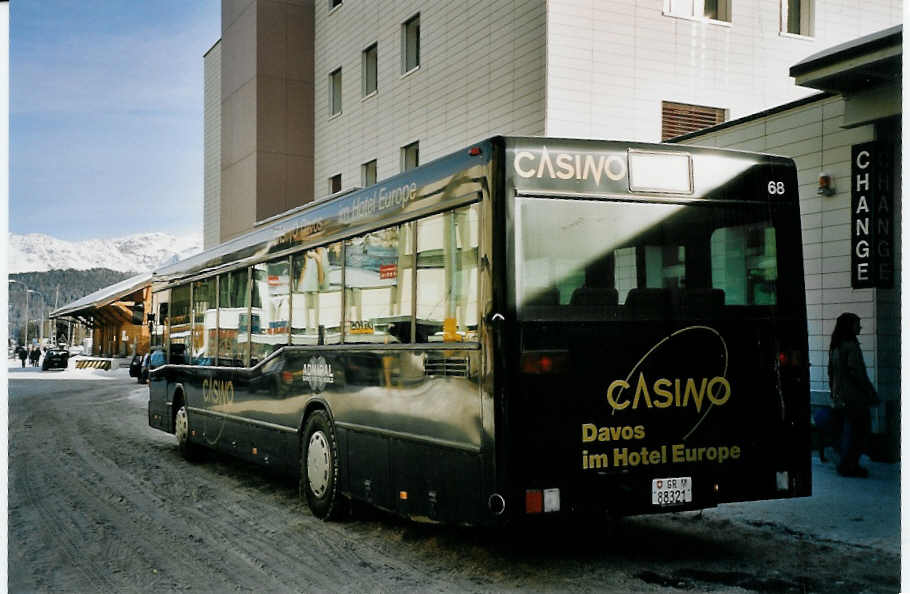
(482, 72)
(575, 68)
(812, 135)
(610, 64)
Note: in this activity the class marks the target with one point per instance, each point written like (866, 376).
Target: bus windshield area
(596, 259)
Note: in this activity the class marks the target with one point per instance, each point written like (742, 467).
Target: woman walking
(851, 392)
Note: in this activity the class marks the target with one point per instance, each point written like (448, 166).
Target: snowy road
(98, 501)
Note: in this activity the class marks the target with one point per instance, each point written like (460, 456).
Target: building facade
(847, 148)
(396, 84)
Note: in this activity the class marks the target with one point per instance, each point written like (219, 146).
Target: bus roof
(459, 178)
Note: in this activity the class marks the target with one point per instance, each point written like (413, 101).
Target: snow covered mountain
(36, 252)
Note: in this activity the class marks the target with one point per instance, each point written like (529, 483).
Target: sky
(106, 115)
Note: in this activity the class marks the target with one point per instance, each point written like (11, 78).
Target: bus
(528, 327)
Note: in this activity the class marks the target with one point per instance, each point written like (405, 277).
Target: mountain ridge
(140, 252)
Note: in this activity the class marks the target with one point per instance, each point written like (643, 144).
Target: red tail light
(538, 363)
(791, 359)
(533, 501)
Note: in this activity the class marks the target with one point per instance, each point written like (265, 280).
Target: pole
(25, 340)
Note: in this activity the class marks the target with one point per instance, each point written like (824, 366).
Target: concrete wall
(482, 72)
(211, 209)
(812, 135)
(610, 64)
(266, 110)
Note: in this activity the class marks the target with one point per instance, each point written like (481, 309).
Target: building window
(335, 92)
(368, 173)
(713, 10)
(410, 44)
(335, 184)
(680, 118)
(797, 17)
(368, 60)
(333, 4)
(410, 156)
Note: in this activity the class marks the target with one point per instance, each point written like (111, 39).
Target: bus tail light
(541, 501)
(533, 501)
(790, 358)
(537, 363)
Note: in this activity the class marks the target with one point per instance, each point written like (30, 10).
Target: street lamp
(27, 291)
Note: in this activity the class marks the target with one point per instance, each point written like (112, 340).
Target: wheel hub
(318, 463)
(182, 426)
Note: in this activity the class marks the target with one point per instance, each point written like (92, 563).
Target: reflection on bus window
(614, 260)
(233, 299)
(744, 264)
(180, 324)
(316, 296)
(270, 309)
(378, 286)
(447, 276)
(204, 326)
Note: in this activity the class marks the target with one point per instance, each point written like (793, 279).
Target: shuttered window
(680, 118)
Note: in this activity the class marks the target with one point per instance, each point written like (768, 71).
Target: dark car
(55, 359)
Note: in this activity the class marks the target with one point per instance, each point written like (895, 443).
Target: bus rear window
(642, 260)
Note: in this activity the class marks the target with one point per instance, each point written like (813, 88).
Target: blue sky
(106, 115)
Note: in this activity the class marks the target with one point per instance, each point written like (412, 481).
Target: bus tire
(319, 468)
(188, 449)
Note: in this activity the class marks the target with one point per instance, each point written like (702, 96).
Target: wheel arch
(314, 405)
(178, 396)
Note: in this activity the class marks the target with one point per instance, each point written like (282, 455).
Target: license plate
(671, 491)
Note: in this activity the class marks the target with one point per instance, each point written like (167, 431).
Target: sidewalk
(865, 512)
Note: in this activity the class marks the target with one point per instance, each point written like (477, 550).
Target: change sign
(871, 219)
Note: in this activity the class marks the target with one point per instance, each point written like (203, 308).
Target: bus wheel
(188, 449)
(319, 468)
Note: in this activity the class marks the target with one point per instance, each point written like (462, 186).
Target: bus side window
(232, 318)
(204, 329)
(180, 324)
(378, 291)
(447, 276)
(271, 308)
(316, 296)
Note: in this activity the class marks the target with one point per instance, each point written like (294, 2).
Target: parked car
(55, 359)
(77, 349)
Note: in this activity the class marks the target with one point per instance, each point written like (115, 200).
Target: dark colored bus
(529, 326)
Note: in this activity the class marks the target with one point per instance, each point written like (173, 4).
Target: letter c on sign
(612, 400)
(860, 155)
(517, 164)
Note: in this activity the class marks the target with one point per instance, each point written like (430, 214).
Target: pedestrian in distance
(34, 356)
(23, 355)
(851, 392)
